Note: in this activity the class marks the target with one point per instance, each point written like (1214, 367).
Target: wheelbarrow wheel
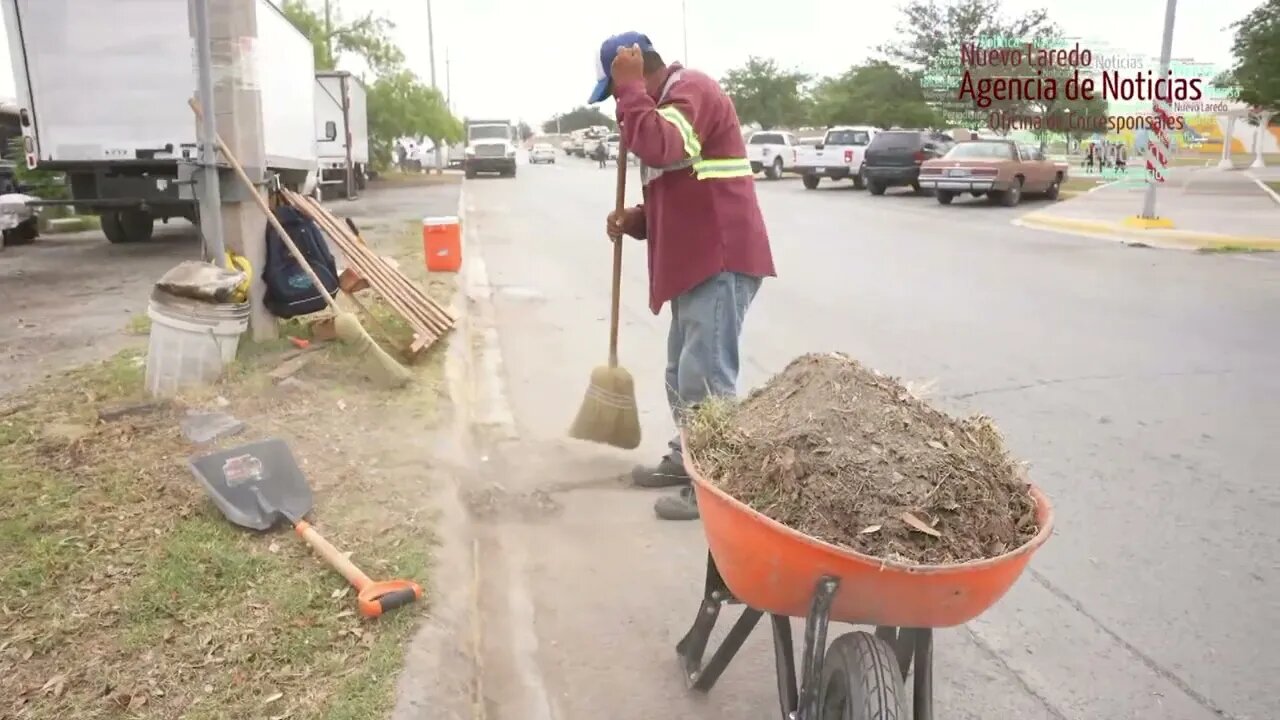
(861, 680)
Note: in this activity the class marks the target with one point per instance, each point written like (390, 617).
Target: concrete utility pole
(328, 32)
(210, 193)
(1166, 51)
(448, 91)
(237, 105)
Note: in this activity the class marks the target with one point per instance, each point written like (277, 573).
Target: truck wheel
(362, 180)
(775, 170)
(112, 228)
(1052, 192)
(860, 180)
(945, 197)
(137, 225)
(875, 188)
(811, 182)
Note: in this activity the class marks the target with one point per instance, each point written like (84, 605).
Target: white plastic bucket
(191, 343)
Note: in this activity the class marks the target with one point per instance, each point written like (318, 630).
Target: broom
(608, 414)
(380, 367)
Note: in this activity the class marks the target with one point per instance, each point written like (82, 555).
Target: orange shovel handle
(374, 598)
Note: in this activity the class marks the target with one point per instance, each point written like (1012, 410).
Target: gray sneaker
(683, 506)
(667, 473)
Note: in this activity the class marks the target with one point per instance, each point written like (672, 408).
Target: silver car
(542, 153)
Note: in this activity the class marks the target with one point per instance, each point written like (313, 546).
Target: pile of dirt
(846, 455)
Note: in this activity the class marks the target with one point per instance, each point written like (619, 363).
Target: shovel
(258, 484)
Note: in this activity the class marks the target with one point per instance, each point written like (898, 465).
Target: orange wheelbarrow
(769, 568)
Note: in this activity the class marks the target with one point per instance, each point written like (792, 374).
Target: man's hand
(618, 224)
(628, 66)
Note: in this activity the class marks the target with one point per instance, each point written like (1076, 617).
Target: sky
(530, 59)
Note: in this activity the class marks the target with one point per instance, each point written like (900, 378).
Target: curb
(1263, 186)
(489, 410)
(1172, 239)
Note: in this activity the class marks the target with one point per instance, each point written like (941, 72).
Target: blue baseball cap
(604, 61)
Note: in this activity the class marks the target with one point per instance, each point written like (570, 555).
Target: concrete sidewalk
(1207, 208)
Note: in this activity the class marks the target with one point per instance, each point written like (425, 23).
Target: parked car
(1002, 170)
(542, 153)
(772, 152)
(838, 155)
(894, 157)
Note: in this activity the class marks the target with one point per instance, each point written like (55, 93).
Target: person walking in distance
(707, 244)
(602, 152)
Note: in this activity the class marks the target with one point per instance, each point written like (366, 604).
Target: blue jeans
(702, 347)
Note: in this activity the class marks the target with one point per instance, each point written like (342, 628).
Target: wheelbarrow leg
(693, 645)
(815, 646)
(784, 653)
(923, 678)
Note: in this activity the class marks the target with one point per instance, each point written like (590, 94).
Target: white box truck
(342, 113)
(103, 88)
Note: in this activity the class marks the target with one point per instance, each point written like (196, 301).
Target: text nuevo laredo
(976, 55)
(983, 91)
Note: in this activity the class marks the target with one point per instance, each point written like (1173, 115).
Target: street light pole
(1166, 50)
(211, 207)
(684, 26)
(431, 44)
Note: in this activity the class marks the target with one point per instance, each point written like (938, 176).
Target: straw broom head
(608, 414)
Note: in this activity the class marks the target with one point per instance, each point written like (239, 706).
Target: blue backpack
(289, 289)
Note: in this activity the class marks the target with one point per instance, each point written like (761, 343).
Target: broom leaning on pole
(380, 367)
(608, 414)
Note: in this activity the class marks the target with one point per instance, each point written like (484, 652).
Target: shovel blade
(255, 485)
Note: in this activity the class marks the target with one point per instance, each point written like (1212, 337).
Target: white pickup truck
(839, 156)
(772, 152)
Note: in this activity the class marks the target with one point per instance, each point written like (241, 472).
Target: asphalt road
(1141, 384)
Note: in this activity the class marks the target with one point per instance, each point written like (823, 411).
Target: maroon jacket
(696, 228)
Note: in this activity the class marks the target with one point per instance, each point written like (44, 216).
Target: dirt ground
(123, 593)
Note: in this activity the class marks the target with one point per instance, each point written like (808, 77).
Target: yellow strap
(722, 168)
(692, 145)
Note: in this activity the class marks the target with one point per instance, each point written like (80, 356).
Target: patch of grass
(1273, 184)
(127, 594)
(1229, 249)
(138, 325)
(395, 178)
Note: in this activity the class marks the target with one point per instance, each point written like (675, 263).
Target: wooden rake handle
(619, 206)
(266, 209)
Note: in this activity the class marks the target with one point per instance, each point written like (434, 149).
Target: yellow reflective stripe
(722, 168)
(692, 146)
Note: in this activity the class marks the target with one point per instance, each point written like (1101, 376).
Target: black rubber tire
(774, 171)
(138, 225)
(112, 228)
(945, 197)
(811, 182)
(875, 188)
(362, 180)
(860, 180)
(1054, 188)
(1012, 196)
(861, 681)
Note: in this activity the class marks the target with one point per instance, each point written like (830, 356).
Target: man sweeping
(708, 248)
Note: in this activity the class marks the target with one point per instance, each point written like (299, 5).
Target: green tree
(400, 105)
(1256, 74)
(577, 119)
(524, 131)
(44, 184)
(365, 37)
(931, 34)
(877, 93)
(766, 94)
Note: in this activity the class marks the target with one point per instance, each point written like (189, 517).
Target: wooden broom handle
(619, 204)
(271, 216)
